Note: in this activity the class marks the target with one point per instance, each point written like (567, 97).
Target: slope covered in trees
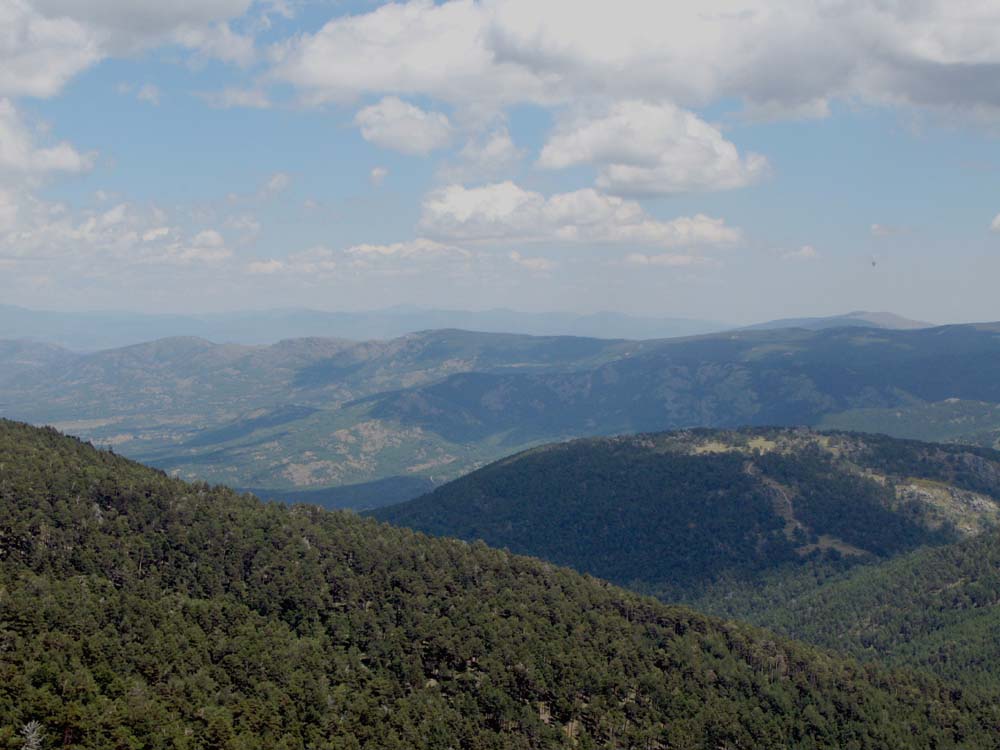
(936, 608)
(140, 611)
(672, 513)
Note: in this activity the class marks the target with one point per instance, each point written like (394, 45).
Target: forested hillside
(673, 513)
(140, 611)
(935, 608)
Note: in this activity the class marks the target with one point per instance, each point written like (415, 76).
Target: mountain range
(309, 414)
(856, 319)
(93, 331)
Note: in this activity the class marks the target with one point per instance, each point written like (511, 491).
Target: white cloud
(208, 246)
(323, 263)
(148, 93)
(783, 58)
(247, 225)
(45, 43)
(419, 249)
(156, 233)
(483, 157)
(532, 264)
(219, 42)
(106, 242)
(806, 252)
(19, 154)
(276, 183)
(995, 226)
(397, 125)
(38, 55)
(266, 267)
(9, 209)
(317, 261)
(504, 212)
(668, 260)
(377, 176)
(645, 148)
(417, 47)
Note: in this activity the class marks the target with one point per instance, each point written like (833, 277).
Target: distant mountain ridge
(308, 414)
(93, 331)
(858, 318)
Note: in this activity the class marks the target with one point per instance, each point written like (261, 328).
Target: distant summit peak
(856, 318)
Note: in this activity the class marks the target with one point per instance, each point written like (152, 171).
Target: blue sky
(740, 160)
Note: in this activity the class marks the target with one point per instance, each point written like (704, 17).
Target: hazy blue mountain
(793, 376)
(308, 414)
(92, 331)
(18, 358)
(858, 318)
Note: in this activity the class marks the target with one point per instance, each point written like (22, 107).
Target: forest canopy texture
(138, 611)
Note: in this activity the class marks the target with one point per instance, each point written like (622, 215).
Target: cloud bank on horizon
(734, 159)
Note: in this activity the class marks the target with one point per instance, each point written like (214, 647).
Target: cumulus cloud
(377, 176)
(483, 157)
(266, 267)
(21, 155)
(45, 43)
(806, 252)
(148, 93)
(783, 58)
(247, 225)
(207, 246)
(321, 261)
(646, 148)
(218, 42)
(412, 48)
(397, 125)
(39, 54)
(668, 260)
(532, 264)
(105, 242)
(504, 212)
(9, 209)
(420, 249)
(995, 226)
(276, 183)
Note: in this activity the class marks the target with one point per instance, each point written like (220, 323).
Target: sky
(733, 160)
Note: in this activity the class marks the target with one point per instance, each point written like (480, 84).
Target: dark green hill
(935, 608)
(672, 513)
(140, 611)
